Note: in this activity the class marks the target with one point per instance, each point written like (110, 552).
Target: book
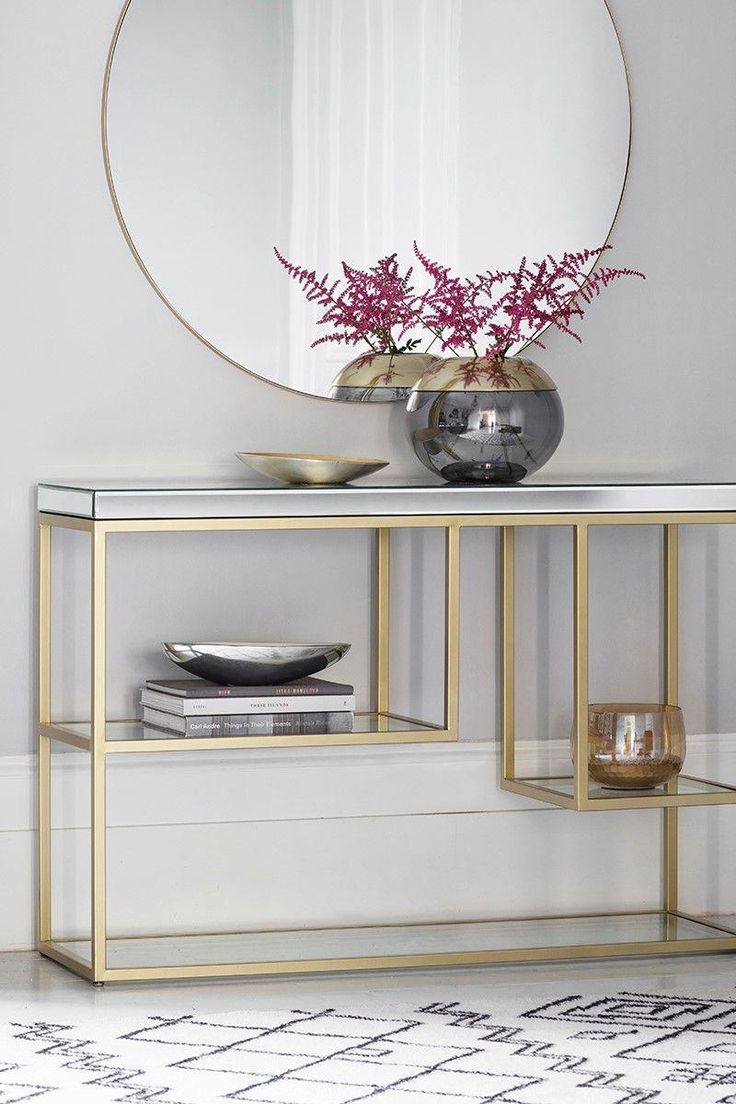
(190, 707)
(258, 724)
(201, 688)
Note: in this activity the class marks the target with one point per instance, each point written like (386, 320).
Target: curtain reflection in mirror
(375, 100)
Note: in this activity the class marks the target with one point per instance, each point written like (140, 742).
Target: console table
(108, 508)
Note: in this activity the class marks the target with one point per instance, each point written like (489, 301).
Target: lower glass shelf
(133, 736)
(682, 790)
(408, 945)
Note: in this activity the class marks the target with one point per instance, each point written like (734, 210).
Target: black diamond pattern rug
(616, 1048)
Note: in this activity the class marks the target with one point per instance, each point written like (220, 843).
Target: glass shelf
(477, 941)
(133, 736)
(683, 790)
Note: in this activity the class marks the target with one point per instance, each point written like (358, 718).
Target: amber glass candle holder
(635, 746)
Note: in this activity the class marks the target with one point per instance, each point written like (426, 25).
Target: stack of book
(194, 707)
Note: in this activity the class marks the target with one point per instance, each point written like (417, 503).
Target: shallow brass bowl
(312, 470)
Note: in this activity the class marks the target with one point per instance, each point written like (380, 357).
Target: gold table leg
(452, 629)
(44, 744)
(508, 652)
(580, 662)
(383, 626)
(671, 606)
(99, 882)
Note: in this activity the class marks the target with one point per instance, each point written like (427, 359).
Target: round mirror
(345, 130)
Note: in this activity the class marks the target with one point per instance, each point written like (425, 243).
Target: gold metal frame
(98, 739)
(148, 275)
(575, 794)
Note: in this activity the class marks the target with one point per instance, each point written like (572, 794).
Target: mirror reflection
(346, 130)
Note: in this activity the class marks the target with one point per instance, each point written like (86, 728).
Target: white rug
(615, 1048)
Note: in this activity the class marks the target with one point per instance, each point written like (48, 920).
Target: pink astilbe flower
(489, 313)
(378, 305)
(484, 315)
(452, 309)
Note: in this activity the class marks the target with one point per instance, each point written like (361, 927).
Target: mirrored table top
(203, 498)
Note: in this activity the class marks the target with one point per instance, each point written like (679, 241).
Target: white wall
(100, 380)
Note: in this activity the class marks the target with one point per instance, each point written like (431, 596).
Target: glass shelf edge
(55, 730)
(425, 732)
(538, 793)
(55, 949)
(535, 789)
(240, 743)
(699, 935)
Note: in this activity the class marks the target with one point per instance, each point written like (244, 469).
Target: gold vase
(635, 746)
(380, 377)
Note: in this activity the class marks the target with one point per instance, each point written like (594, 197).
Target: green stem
(386, 338)
(437, 333)
(438, 337)
(471, 343)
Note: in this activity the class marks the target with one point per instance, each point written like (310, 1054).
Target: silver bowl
(254, 664)
(311, 470)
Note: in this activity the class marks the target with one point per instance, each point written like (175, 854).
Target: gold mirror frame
(170, 305)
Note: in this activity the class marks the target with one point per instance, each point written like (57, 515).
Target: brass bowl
(635, 746)
(312, 470)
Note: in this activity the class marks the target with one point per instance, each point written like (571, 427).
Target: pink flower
(495, 310)
(486, 314)
(378, 305)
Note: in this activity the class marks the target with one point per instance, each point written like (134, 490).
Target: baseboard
(301, 784)
(263, 785)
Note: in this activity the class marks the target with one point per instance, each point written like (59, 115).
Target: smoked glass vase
(479, 420)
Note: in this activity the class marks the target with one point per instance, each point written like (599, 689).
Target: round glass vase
(635, 746)
(380, 377)
(483, 420)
